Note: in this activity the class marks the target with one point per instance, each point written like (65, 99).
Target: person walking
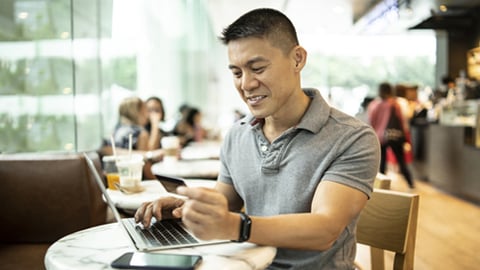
(381, 112)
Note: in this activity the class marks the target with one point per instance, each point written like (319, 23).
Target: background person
(156, 114)
(190, 128)
(133, 116)
(302, 170)
(362, 112)
(379, 113)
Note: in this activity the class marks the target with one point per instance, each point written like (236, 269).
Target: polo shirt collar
(317, 113)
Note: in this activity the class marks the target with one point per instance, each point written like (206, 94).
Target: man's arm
(333, 208)
(235, 203)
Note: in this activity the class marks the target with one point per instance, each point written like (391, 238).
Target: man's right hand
(163, 208)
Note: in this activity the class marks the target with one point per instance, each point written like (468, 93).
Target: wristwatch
(245, 226)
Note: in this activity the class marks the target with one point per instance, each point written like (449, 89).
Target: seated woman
(190, 128)
(133, 116)
(156, 115)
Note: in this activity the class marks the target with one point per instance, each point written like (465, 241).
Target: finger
(205, 200)
(202, 207)
(199, 224)
(147, 216)
(182, 190)
(140, 212)
(192, 215)
(198, 193)
(177, 212)
(144, 214)
(195, 202)
(167, 208)
(200, 216)
(157, 211)
(190, 192)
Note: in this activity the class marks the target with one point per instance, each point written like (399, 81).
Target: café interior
(66, 65)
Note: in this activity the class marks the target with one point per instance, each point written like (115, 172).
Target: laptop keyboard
(165, 233)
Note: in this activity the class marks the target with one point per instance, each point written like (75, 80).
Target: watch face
(245, 225)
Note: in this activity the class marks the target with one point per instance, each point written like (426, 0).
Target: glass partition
(65, 65)
(37, 85)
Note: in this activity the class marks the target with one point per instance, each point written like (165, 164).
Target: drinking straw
(130, 145)
(130, 154)
(113, 148)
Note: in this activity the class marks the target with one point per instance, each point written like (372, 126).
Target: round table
(202, 168)
(96, 247)
(201, 150)
(153, 190)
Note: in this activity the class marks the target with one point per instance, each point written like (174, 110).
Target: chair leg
(399, 262)
(377, 258)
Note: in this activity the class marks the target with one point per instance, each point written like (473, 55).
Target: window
(65, 65)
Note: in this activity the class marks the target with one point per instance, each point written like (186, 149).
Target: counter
(453, 161)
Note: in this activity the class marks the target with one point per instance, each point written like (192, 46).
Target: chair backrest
(389, 222)
(46, 196)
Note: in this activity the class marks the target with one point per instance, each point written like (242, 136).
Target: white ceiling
(327, 17)
(317, 15)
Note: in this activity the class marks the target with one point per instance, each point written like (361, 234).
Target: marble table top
(96, 247)
(201, 150)
(202, 168)
(153, 190)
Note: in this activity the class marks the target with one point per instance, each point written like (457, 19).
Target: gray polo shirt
(281, 177)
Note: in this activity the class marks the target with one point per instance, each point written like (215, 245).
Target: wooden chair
(389, 222)
(382, 181)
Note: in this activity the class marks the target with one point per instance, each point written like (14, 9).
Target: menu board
(473, 63)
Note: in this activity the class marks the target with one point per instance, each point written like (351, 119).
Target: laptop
(162, 234)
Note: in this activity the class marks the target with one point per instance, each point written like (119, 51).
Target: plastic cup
(130, 170)
(171, 149)
(111, 171)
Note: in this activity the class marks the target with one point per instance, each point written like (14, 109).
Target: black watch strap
(245, 227)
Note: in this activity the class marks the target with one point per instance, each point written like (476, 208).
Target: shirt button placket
(264, 148)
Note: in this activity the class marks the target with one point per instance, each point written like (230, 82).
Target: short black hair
(366, 101)
(190, 118)
(267, 23)
(385, 90)
(447, 79)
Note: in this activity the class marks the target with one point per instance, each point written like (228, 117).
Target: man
(302, 170)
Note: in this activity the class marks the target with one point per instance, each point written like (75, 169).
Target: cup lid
(130, 163)
(108, 158)
(136, 157)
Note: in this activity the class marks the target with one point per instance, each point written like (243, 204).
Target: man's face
(263, 75)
